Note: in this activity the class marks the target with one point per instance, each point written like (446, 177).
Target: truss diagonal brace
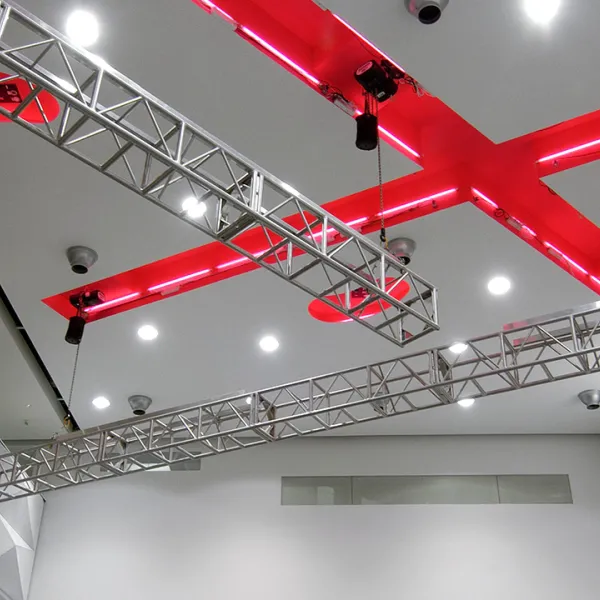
(533, 353)
(163, 156)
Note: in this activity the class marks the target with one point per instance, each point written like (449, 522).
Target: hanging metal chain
(382, 234)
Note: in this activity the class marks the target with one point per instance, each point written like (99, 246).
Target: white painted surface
(222, 533)
(20, 522)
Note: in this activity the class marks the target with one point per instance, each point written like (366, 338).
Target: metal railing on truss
(125, 133)
(525, 354)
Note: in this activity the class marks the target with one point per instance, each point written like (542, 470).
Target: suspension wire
(67, 422)
(382, 234)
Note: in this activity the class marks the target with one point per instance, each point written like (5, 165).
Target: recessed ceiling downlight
(82, 27)
(193, 207)
(466, 402)
(458, 348)
(498, 286)
(148, 332)
(101, 402)
(541, 11)
(268, 343)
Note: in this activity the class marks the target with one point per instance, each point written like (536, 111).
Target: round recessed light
(148, 332)
(249, 400)
(197, 211)
(82, 27)
(498, 286)
(101, 402)
(193, 207)
(458, 348)
(269, 343)
(466, 402)
(189, 203)
(542, 11)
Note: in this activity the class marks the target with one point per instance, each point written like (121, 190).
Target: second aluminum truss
(532, 353)
(122, 131)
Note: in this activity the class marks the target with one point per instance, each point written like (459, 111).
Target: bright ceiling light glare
(148, 333)
(542, 12)
(65, 85)
(193, 207)
(466, 402)
(458, 348)
(101, 402)
(498, 286)
(249, 400)
(268, 343)
(82, 27)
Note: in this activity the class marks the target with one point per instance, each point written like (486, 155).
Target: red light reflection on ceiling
(323, 311)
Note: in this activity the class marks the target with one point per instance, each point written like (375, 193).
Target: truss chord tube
(148, 135)
(509, 360)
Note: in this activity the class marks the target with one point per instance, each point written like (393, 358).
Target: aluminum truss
(122, 131)
(545, 350)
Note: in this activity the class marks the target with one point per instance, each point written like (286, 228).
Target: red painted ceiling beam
(409, 197)
(323, 51)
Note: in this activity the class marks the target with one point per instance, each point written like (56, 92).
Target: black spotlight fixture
(75, 330)
(76, 326)
(367, 133)
(376, 80)
(379, 82)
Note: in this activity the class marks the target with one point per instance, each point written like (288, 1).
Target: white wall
(20, 521)
(221, 532)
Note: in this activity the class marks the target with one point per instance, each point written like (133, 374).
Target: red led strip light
(453, 160)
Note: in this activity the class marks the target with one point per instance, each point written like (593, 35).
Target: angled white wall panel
(19, 530)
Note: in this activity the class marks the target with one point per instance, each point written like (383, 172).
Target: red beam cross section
(459, 163)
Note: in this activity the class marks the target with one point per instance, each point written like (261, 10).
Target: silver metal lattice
(532, 353)
(122, 131)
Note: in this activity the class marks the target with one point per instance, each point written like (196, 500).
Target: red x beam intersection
(459, 163)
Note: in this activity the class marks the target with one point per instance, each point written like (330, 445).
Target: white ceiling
(473, 59)
(24, 407)
(490, 62)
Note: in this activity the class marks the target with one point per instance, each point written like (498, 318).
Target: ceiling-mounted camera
(81, 301)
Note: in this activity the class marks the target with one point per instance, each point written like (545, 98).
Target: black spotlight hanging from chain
(367, 132)
(379, 84)
(77, 323)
